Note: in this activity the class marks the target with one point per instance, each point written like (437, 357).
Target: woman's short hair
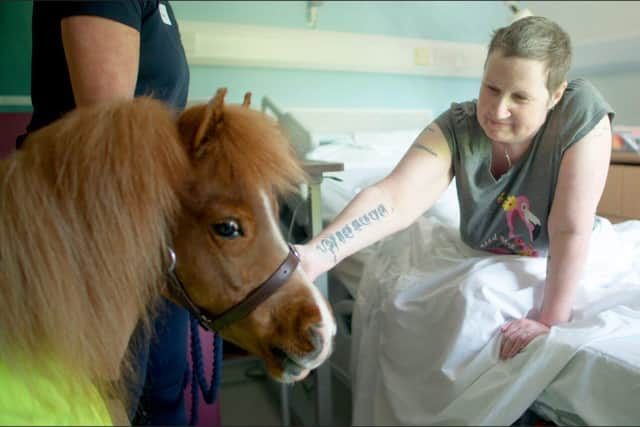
(539, 38)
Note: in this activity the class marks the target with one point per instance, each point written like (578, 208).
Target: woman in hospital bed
(441, 323)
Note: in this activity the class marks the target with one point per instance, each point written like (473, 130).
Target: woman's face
(514, 100)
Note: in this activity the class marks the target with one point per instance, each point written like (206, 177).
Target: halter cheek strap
(244, 307)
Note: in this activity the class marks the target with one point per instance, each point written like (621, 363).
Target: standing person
(87, 52)
(523, 146)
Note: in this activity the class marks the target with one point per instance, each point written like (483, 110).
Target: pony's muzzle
(313, 325)
(295, 366)
(321, 337)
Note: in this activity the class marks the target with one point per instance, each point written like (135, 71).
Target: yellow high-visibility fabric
(42, 401)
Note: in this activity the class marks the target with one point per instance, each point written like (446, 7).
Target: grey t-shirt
(509, 215)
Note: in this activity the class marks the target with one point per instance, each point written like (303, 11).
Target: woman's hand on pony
(517, 334)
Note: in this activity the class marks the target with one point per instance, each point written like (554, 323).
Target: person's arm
(102, 56)
(581, 181)
(583, 174)
(390, 205)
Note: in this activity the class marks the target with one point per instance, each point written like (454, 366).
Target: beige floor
(244, 396)
(249, 398)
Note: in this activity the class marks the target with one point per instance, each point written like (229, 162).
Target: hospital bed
(601, 383)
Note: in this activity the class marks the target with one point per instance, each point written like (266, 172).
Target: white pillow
(446, 209)
(395, 140)
(320, 139)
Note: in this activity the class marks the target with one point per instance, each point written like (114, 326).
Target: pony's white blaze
(273, 224)
(327, 327)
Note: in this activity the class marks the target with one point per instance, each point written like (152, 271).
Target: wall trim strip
(215, 44)
(15, 100)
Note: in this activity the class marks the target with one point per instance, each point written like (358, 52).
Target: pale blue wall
(464, 21)
(606, 46)
(461, 21)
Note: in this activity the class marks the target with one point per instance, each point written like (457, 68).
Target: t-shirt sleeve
(581, 108)
(445, 122)
(128, 12)
(457, 126)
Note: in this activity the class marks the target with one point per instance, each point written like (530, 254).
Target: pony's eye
(228, 229)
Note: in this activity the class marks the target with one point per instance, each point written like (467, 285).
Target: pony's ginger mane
(86, 209)
(247, 149)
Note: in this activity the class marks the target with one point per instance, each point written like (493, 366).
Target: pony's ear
(210, 124)
(247, 100)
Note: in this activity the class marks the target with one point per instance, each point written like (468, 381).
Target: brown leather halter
(243, 308)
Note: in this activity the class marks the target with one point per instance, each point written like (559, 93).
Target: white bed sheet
(599, 385)
(424, 291)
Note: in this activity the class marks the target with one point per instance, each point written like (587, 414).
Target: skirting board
(213, 43)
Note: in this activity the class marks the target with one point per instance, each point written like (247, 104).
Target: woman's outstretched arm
(386, 207)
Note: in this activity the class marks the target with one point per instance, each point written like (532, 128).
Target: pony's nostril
(292, 368)
(319, 340)
(279, 353)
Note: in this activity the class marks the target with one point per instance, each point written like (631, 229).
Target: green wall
(15, 51)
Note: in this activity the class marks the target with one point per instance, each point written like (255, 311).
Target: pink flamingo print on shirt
(519, 205)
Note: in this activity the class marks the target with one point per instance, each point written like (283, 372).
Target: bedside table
(621, 197)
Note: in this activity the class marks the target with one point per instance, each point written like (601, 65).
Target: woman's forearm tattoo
(333, 242)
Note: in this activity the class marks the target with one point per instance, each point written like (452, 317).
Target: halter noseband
(244, 307)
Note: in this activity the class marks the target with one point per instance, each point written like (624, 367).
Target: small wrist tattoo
(332, 243)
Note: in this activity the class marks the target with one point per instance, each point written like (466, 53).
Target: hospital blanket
(427, 316)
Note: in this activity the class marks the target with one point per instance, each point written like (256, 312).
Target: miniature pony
(92, 209)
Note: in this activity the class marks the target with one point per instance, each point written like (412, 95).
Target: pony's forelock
(252, 142)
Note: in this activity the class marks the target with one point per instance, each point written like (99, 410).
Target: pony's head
(228, 241)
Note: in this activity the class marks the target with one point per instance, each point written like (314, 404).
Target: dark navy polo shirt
(163, 72)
